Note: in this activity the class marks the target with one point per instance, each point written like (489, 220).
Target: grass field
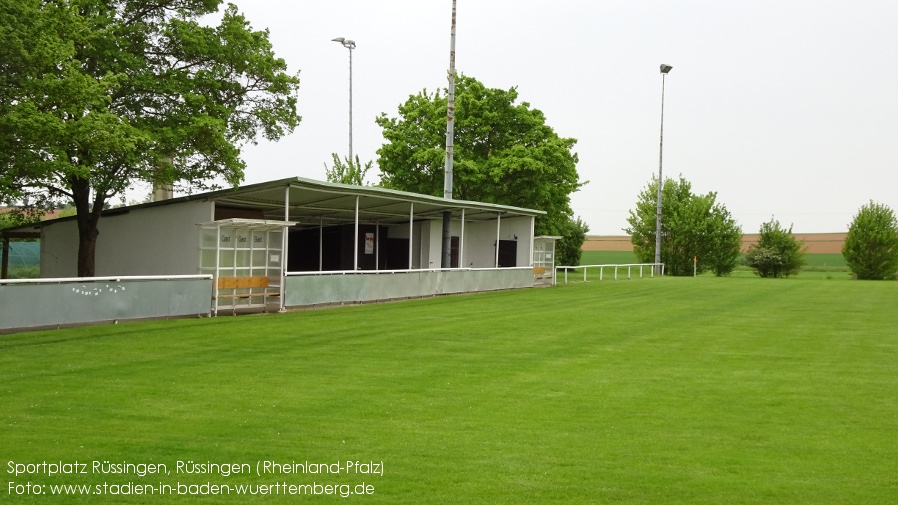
(671, 390)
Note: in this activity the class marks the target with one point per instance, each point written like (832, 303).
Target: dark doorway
(397, 253)
(508, 253)
(453, 252)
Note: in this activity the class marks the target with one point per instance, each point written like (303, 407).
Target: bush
(871, 247)
(777, 254)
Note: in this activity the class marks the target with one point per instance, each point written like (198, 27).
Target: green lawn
(666, 390)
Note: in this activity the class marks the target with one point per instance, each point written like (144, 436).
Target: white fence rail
(616, 267)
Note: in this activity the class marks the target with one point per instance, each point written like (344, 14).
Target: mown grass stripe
(657, 390)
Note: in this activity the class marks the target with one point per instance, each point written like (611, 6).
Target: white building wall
(432, 244)
(160, 240)
(480, 241)
(520, 227)
(59, 250)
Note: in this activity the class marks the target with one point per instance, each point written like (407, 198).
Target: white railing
(616, 267)
(400, 271)
(61, 280)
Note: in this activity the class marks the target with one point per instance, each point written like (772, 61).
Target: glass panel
(226, 238)
(242, 258)
(207, 238)
(242, 238)
(274, 240)
(207, 258)
(226, 259)
(258, 258)
(274, 259)
(259, 239)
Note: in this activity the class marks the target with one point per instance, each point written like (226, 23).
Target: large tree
(101, 94)
(871, 247)
(504, 152)
(692, 227)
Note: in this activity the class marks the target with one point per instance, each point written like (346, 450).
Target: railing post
(601, 270)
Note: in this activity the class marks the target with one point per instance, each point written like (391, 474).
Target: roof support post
(217, 266)
(287, 203)
(320, 244)
(282, 290)
(532, 235)
(377, 245)
(355, 252)
(498, 234)
(461, 241)
(284, 244)
(411, 230)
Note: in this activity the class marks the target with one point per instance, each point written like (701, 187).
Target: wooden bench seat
(257, 287)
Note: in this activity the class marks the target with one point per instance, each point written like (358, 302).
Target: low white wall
(49, 302)
(352, 287)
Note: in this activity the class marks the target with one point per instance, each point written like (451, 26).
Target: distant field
(824, 261)
(665, 390)
(607, 257)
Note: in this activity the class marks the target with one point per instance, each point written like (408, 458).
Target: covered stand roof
(312, 202)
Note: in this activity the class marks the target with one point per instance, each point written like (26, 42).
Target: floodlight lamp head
(348, 44)
(665, 68)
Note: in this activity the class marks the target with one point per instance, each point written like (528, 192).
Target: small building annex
(299, 242)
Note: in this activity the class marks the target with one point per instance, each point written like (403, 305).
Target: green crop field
(665, 390)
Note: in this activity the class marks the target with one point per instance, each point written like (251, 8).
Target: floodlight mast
(664, 70)
(446, 259)
(348, 44)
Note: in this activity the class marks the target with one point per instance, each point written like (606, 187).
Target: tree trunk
(87, 246)
(87, 225)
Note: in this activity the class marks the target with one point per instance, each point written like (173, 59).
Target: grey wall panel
(62, 303)
(366, 287)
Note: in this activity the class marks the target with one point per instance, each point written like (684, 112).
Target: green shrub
(777, 254)
(871, 247)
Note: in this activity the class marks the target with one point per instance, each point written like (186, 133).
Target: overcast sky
(785, 108)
